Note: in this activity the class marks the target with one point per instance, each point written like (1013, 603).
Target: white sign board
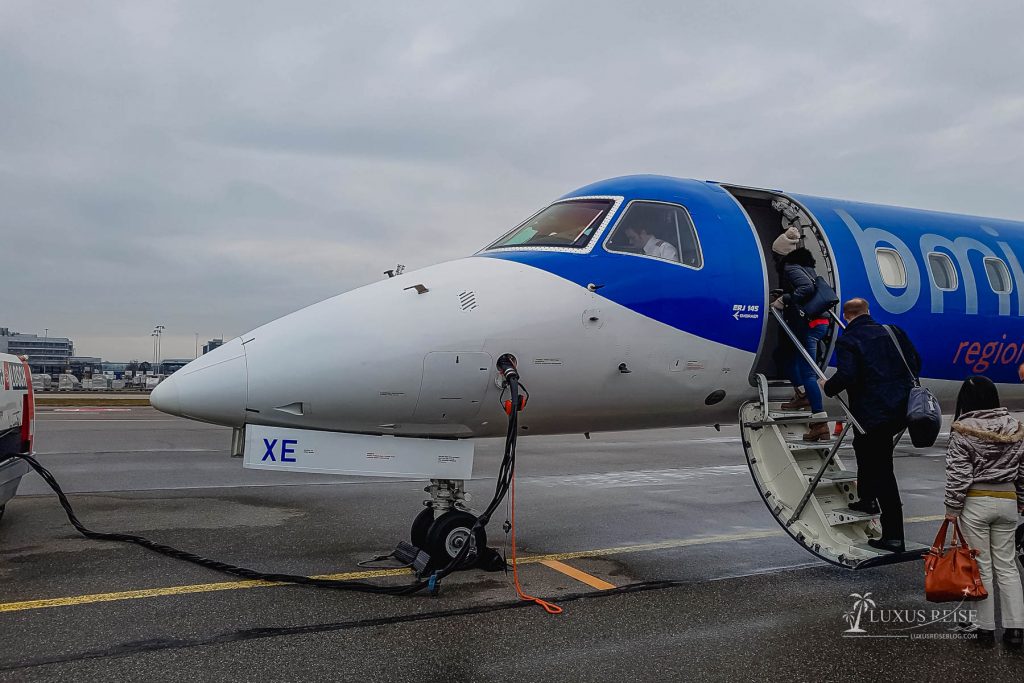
(303, 450)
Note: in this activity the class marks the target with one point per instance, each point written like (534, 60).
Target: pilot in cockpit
(640, 239)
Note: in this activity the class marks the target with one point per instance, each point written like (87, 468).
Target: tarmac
(656, 545)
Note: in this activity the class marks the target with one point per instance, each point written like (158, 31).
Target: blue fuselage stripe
(970, 330)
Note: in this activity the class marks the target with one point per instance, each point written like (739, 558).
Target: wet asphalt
(707, 587)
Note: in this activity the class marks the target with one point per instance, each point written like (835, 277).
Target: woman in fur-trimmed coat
(985, 490)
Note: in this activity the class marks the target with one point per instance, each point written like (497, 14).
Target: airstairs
(806, 485)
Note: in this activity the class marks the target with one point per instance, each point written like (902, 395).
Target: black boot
(892, 520)
(1013, 638)
(869, 507)
(985, 637)
(893, 545)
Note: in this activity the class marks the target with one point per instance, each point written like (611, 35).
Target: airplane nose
(211, 388)
(165, 397)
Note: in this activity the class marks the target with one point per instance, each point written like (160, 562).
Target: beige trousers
(989, 524)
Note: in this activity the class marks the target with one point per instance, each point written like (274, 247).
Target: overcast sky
(210, 166)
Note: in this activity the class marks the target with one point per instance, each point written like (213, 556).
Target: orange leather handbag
(952, 574)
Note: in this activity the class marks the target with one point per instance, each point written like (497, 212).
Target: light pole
(197, 347)
(159, 331)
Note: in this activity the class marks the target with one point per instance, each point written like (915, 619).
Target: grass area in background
(98, 401)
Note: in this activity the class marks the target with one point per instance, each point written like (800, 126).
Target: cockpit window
(569, 224)
(658, 230)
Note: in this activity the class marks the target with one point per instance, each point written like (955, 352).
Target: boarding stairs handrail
(814, 364)
(846, 408)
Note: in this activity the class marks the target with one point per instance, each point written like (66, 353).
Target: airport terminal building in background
(56, 355)
(46, 355)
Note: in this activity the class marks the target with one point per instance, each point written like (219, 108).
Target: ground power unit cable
(225, 567)
(518, 396)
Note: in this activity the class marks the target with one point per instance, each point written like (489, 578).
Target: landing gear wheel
(421, 526)
(449, 533)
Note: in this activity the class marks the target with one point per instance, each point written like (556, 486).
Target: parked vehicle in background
(17, 418)
(96, 384)
(41, 383)
(68, 383)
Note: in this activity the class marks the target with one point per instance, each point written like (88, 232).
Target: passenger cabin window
(891, 268)
(662, 231)
(998, 275)
(943, 272)
(569, 224)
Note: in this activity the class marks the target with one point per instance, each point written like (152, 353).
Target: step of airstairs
(786, 470)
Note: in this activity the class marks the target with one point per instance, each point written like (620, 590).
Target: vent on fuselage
(467, 300)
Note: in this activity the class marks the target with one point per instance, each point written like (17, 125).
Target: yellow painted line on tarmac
(179, 590)
(129, 595)
(579, 575)
(237, 585)
(380, 573)
(925, 518)
(648, 547)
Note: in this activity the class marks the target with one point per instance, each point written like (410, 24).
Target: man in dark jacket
(878, 384)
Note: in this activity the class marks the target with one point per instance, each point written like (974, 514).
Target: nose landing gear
(445, 526)
(454, 538)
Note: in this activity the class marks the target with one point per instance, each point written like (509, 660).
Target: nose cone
(165, 397)
(211, 388)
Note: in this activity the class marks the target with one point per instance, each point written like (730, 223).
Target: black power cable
(225, 567)
(505, 365)
(505, 471)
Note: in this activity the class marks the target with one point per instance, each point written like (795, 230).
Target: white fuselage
(388, 359)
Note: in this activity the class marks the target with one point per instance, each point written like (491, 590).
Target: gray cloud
(211, 166)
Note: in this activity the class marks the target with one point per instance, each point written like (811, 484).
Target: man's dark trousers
(876, 479)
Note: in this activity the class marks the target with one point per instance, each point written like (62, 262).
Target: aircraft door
(770, 213)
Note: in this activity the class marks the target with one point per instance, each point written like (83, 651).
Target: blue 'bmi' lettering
(269, 454)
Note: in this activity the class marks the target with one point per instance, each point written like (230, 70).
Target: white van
(41, 383)
(17, 423)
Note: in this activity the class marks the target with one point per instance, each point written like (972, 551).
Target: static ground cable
(549, 607)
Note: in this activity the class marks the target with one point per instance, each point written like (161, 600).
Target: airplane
(636, 302)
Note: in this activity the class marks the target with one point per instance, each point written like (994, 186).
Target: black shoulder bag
(924, 416)
(823, 299)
